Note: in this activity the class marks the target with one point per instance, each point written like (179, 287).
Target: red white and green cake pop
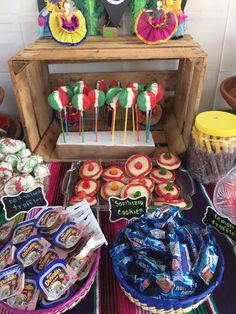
(97, 98)
(112, 99)
(81, 102)
(101, 85)
(81, 87)
(115, 83)
(58, 100)
(146, 103)
(67, 90)
(127, 99)
(157, 89)
(137, 86)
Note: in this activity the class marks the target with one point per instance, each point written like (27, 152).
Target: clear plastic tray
(183, 180)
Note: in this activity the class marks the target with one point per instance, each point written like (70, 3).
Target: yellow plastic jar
(212, 151)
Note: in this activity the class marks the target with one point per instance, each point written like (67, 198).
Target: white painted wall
(212, 23)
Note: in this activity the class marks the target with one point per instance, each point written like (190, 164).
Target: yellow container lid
(216, 123)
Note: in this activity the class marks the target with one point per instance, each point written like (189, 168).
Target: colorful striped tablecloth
(106, 297)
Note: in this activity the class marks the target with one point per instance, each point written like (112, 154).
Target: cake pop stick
(146, 103)
(81, 87)
(101, 85)
(57, 101)
(81, 102)
(112, 99)
(139, 88)
(97, 99)
(127, 99)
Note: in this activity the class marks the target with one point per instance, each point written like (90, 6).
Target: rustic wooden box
(33, 82)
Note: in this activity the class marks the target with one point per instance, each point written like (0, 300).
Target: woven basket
(66, 305)
(174, 306)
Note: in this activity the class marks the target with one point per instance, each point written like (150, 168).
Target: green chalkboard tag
(127, 208)
(23, 202)
(221, 224)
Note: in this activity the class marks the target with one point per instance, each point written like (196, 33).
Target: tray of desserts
(161, 180)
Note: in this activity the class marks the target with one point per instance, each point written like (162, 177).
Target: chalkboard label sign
(127, 208)
(23, 202)
(222, 225)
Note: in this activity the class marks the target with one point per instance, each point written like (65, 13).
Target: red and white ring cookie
(136, 190)
(89, 186)
(168, 161)
(138, 165)
(160, 201)
(148, 182)
(168, 191)
(113, 173)
(82, 195)
(159, 175)
(112, 188)
(90, 170)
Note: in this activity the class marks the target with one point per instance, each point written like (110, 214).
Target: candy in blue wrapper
(181, 268)
(164, 282)
(126, 265)
(141, 283)
(121, 251)
(150, 265)
(160, 216)
(207, 261)
(139, 242)
(153, 232)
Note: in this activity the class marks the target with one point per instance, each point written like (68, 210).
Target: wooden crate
(33, 82)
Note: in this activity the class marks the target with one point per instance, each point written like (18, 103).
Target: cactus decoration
(136, 7)
(93, 10)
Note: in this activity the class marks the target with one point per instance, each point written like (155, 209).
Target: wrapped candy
(23, 153)
(12, 159)
(40, 172)
(26, 165)
(10, 146)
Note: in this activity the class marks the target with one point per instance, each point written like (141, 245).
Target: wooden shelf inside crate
(33, 82)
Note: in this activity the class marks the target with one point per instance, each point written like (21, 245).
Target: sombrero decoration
(139, 88)
(68, 28)
(135, 190)
(58, 100)
(101, 85)
(68, 91)
(138, 165)
(148, 182)
(128, 99)
(82, 195)
(89, 186)
(91, 170)
(81, 103)
(112, 189)
(81, 87)
(113, 173)
(162, 175)
(168, 161)
(115, 83)
(97, 98)
(156, 26)
(168, 191)
(146, 103)
(112, 99)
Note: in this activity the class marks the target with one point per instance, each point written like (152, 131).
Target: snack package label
(67, 236)
(23, 231)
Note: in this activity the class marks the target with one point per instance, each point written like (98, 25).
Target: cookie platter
(183, 180)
